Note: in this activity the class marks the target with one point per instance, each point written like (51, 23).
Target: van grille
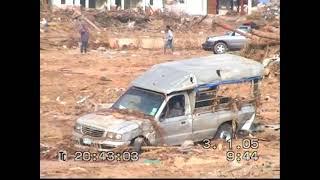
(90, 131)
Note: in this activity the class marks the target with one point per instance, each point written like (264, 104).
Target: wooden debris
(91, 23)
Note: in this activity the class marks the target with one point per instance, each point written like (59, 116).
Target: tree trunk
(267, 35)
(272, 29)
(242, 8)
(249, 6)
(253, 35)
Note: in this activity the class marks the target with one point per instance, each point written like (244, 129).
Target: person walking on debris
(84, 33)
(168, 39)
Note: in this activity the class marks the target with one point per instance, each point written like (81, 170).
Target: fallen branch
(263, 43)
(48, 43)
(202, 19)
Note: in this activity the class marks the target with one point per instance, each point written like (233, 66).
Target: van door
(176, 120)
(205, 121)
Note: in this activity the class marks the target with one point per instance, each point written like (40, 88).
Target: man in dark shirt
(84, 33)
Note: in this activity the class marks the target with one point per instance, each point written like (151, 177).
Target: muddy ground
(67, 77)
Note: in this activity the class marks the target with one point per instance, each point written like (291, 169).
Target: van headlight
(112, 135)
(77, 128)
(118, 136)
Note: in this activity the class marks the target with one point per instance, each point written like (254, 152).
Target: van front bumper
(101, 144)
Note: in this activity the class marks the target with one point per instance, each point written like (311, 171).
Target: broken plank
(202, 19)
(157, 147)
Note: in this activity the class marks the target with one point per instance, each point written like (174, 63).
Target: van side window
(175, 107)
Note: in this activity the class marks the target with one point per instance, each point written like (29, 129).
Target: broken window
(228, 93)
(63, 1)
(118, 3)
(174, 108)
(205, 98)
(92, 3)
(83, 3)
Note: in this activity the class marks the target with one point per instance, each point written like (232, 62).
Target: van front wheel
(138, 143)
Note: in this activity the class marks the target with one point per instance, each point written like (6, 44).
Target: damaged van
(174, 102)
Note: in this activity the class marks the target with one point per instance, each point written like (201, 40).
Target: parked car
(171, 103)
(245, 28)
(251, 24)
(221, 44)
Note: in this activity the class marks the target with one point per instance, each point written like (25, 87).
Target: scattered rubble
(101, 49)
(103, 25)
(274, 59)
(61, 102)
(78, 169)
(103, 78)
(56, 132)
(59, 110)
(186, 146)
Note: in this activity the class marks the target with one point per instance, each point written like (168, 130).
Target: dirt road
(100, 77)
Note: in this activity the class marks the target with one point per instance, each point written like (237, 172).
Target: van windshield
(136, 99)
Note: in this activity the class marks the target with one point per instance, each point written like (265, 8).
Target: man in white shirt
(168, 39)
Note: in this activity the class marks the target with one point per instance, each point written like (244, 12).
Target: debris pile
(272, 66)
(51, 152)
(104, 25)
(92, 102)
(271, 11)
(118, 18)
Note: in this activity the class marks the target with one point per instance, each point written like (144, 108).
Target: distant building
(192, 7)
(122, 4)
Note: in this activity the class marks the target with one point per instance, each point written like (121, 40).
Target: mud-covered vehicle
(174, 102)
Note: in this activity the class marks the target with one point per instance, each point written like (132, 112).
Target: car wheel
(138, 143)
(220, 48)
(224, 132)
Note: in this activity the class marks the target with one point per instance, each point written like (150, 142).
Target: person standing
(84, 38)
(44, 24)
(168, 39)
